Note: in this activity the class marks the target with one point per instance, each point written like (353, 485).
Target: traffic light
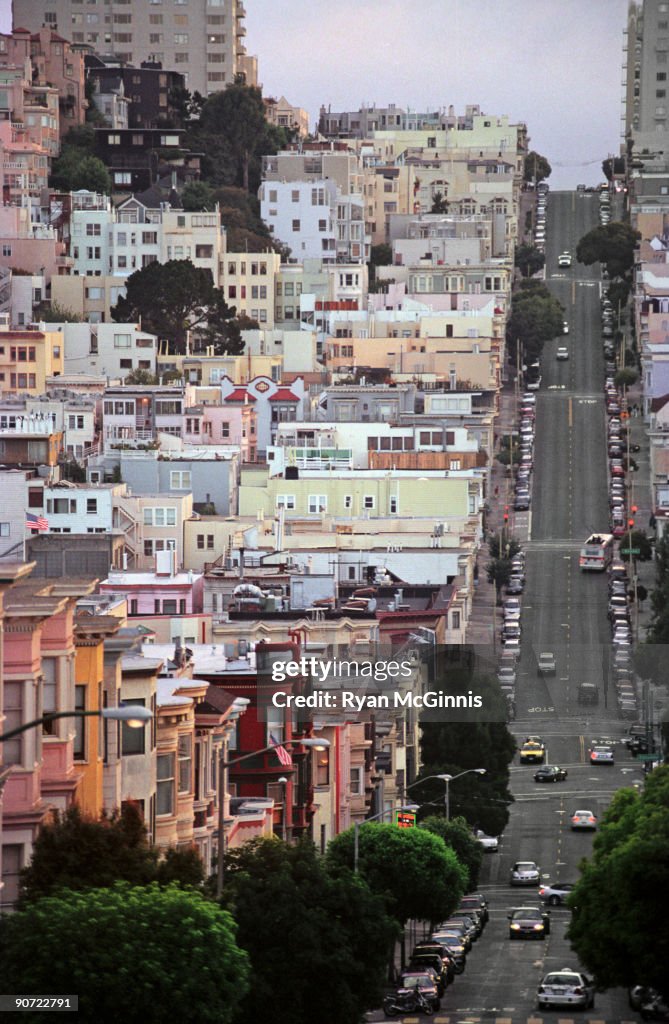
(630, 523)
(634, 510)
(506, 514)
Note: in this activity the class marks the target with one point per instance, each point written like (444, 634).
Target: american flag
(34, 522)
(281, 752)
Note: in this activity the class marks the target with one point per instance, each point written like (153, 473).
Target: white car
(546, 664)
(489, 843)
(564, 259)
(584, 820)
(601, 755)
(562, 353)
(512, 609)
(525, 872)
(566, 988)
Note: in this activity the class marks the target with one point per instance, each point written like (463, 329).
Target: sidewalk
(640, 495)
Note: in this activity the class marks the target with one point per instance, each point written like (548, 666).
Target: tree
(318, 943)
(618, 293)
(499, 544)
(234, 135)
(640, 543)
(80, 852)
(535, 318)
(658, 632)
(457, 835)
(142, 955)
(537, 167)
(498, 572)
(439, 203)
(74, 170)
(616, 904)
(626, 377)
(412, 868)
(54, 313)
(612, 166)
(141, 377)
(174, 298)
(198, 195)
(612, 244)
(529, 259)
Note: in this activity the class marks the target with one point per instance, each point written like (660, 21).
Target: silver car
(584, 820)
(566, 988)
(524, 872)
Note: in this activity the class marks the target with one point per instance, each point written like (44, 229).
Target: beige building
(284, 115)
(152, 523)
(88, 296)
(248, 283)
(203, 40)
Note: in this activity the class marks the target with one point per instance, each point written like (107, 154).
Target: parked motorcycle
(407, 1000)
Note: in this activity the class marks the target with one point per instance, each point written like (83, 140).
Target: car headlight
(538, 927)
(516, 927)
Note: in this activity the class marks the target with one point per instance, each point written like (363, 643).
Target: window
(114, 140)
(149, 238)
(79, 750)
(318, 503)
(91, 506)
(357, 782)
(286, 501)
(13, 712)
(180, 480)
(368, 501)
(123, 177)
(160, 516)
(122, 340)
(225, 430)
(185, 749)
(133, 740)
(661, 76)
(455, 620)
(165, 784)
(296, 225)
(4, 529)
(393, 505)
(49, 693)
(180, 38)
(94, 229)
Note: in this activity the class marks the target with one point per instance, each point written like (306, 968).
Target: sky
(554, 64)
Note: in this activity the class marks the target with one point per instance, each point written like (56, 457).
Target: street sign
(405, 819)
(648, 757)
(630, 551)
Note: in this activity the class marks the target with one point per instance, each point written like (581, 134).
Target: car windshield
(416, 981)
(562, 979)
(527, 915)
(526, 865)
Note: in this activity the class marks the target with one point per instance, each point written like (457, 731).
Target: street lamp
(132, 714)
(375, 817)
(448, 779)
(283, 781)
(315, 744)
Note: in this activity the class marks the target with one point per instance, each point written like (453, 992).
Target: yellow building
(247, 279)
(27, 358)
(90, 633)
(359, 494)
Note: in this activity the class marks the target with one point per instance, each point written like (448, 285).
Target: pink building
(38, 677)
(157, 593)
(24, 164)
(28, 246)
(52, 60)
(230, 424)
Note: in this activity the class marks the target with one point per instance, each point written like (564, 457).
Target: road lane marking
(571, 413)
(581, 748)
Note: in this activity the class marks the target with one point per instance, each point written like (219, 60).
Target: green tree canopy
(142, 955)
(233, 134)
(537, 167)
(529, 259)
(439, 203)
(498, 572)
(318, 944)
(617, 903)
(54, 313)
(74, 169)
(80, 852)
(626, 377)
(419, 876)
(536, 317)
(612, 244)
(457, 835)
(498, 544)
(171, 299)
(658, 632)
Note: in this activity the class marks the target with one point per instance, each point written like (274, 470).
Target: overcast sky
(554, 64)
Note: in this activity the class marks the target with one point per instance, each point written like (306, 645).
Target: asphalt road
(564, 611)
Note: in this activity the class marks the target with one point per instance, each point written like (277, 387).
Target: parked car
(489, 843)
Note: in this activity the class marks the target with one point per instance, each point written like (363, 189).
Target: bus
(596, 553)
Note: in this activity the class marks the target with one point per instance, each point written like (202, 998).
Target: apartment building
(283, 114)
(27, 247)
(204, 42)
(152, 524)
(110, 349)
(209, 476)
(89, 296)
(73, 416)
(248, 281)
(136, 415)
(27, 358)
(30, 105)
(54, 61)
(147, 90)
(645, 70)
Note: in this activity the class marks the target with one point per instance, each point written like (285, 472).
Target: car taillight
(591, 818)
(579, 990)
(542, 891)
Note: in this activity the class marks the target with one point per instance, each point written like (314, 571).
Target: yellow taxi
(533, 751)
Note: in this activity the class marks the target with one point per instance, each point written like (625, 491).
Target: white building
(113, 350)
(81, 508)
(316, 220)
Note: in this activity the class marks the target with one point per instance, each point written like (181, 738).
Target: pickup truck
(546, 664)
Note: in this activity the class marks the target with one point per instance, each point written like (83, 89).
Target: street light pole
(224, 765)
(448, 779)
(132, 714)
